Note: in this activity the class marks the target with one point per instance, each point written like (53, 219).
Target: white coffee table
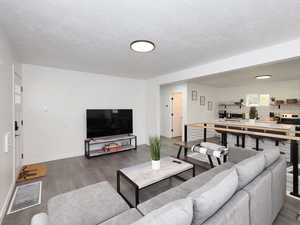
(142, 175)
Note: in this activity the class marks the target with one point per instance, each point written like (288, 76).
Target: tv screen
(108, 122)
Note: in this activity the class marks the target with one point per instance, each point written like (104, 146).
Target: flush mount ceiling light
(262, 77)
(142, 46)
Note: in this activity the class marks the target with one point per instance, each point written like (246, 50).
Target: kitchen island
(264, 143)
(258, 123)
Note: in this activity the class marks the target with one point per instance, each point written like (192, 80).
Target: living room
(58, 65)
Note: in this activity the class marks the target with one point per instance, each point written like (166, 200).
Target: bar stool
(210, 150)
(256, 137)
(277, 140)
(182, 145)
(297, 129)
(238, 135)
(223, 133)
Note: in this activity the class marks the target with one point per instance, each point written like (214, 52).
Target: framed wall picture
(210, 106)
(202, 100)
(194, 95)
(264, 100)
(252, 100)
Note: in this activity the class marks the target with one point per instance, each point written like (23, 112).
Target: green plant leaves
(252, 113)
(155, 148)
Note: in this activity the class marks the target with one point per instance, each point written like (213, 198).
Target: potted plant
(252, 114)
(273, 100)
(155, 152)
(241, 101)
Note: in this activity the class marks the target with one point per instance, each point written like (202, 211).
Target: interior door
(18, 122)
(176, 114)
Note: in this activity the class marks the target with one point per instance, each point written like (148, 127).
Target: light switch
(45, 109)
(7, 141)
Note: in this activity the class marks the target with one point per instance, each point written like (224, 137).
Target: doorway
(176, 115)
(18, 123)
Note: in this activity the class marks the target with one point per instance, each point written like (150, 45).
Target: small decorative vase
(252, 121)
(155, 164)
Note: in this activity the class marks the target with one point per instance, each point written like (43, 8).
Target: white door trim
(13, 125)
(15, 74)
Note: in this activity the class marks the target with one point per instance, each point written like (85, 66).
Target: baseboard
(6, 202)
(57, 157)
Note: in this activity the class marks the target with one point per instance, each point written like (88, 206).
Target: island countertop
(261, 124)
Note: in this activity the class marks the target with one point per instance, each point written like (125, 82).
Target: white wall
(192, 110)
(54, 109)
(280, 90)
(152, 108)
(200, 113)
(197, 112)
(6, 122)
(166, 92)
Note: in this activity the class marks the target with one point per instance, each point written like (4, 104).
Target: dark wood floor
(69, 174)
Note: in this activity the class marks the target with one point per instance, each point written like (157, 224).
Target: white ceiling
(94, 36)
(281, 71)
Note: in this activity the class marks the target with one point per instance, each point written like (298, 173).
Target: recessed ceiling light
(142, 46)
(261, 77)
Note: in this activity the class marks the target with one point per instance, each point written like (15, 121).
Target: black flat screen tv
(108, 122)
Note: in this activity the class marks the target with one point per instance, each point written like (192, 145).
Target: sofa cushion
(278, 172)
(126, 218)
(225, 166)
(259, 191)
(213, 195)
(234, 212)
(179, 212)
(236, 155)
(198, 181)
(250, 168)
(161, 200)
(182, 190)
(92, 204)
(271, 156)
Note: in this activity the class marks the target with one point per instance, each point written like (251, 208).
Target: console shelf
(89, 153)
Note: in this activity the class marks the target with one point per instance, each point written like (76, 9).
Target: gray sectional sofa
(247, 190)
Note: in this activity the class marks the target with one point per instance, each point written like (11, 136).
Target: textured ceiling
(94, 36)
(281, 71)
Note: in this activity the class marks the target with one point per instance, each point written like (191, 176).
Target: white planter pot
(155, 164)
(252, 121)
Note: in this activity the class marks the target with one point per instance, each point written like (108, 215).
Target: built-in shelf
(231, 105)
(272, 104)
(280, 104)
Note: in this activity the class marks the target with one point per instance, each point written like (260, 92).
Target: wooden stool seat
(181, 145)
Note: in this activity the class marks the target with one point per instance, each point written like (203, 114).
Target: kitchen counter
(264, 142)
(261, 124)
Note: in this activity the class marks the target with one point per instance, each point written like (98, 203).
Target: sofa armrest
(236, 155)
(40, 219)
